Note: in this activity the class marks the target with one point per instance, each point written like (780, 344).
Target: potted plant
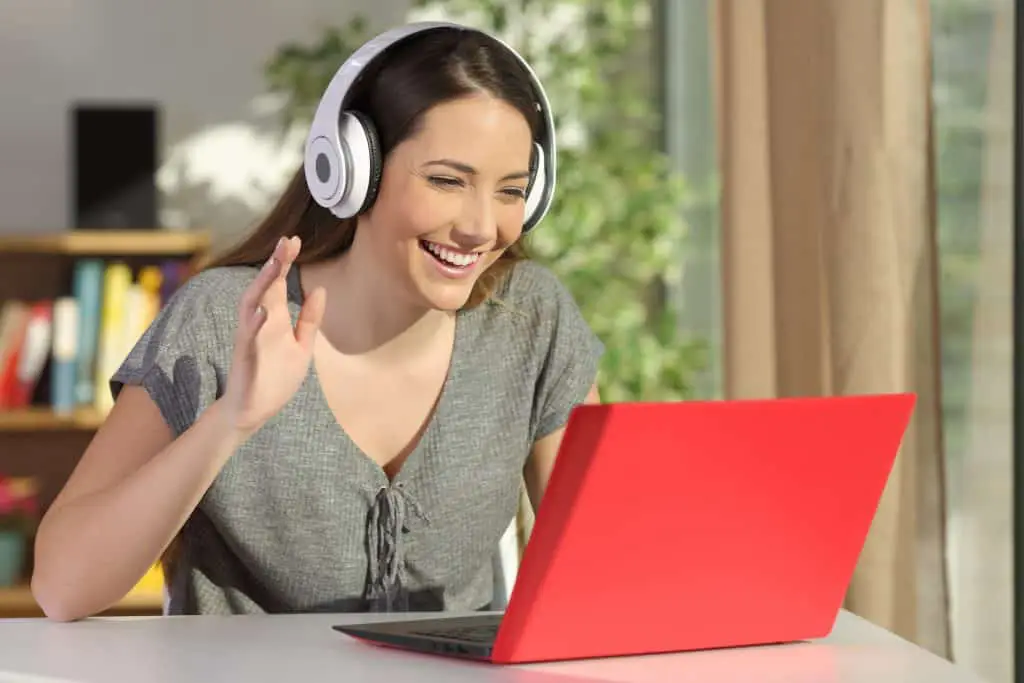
(19, 506)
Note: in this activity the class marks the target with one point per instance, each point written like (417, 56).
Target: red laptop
(669, 527)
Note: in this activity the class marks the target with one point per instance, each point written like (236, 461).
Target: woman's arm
(137, 484)
(542, 457)
(128, 497)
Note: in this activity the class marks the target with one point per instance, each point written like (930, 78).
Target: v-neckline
(429, 432)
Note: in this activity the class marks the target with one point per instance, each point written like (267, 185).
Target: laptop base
(470, 637)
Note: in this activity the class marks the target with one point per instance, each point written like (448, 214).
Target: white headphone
(343, 161)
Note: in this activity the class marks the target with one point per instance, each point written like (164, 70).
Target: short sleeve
(171, 359)
(570, 364)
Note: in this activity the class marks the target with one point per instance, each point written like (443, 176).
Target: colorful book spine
(113, 343)
(34, 352)
(63, 369)
(87, 290)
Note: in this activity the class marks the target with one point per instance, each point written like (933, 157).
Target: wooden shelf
(18, 602)
(44, 419)
(108, 242)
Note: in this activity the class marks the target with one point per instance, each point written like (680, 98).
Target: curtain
(829, 251)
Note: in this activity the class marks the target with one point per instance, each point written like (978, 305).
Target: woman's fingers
(268, 292)
(291, 248)
(310, 316)
(287, 250)
(252, 300)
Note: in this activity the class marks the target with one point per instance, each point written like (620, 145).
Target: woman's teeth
(452, 258)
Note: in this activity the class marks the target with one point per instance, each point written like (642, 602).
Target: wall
(202, 60)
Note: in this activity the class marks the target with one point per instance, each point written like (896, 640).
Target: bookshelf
(42, 419)
(108, 243)
(36, 441)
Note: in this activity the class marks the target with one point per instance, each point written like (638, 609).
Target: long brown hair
(395, 92)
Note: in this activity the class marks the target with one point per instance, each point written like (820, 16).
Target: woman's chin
(446, 296)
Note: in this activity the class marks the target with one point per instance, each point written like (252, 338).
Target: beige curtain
(828, 248)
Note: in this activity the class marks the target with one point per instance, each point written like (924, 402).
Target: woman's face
(451, 200)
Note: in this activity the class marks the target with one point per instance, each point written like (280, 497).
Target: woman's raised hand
(271, 356)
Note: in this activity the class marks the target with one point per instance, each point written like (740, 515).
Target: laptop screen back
(679, 526)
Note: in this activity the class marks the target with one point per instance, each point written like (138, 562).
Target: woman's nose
(478, 225)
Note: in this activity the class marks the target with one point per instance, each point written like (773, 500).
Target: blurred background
(756, 198)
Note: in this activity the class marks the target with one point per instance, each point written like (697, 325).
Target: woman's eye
(517, 192)
(445, 181)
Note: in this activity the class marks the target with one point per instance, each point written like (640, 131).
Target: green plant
(615, 233)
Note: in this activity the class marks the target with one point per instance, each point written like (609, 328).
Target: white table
(299, 648)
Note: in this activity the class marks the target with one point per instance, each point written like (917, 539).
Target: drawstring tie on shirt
(386, 526)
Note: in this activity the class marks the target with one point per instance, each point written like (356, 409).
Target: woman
(337, 415)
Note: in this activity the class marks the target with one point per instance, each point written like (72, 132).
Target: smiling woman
(451, 260)
(457, 145)
(451, 198)
(339, 413)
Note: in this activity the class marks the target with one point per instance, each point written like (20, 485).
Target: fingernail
(280, 241)
(270, 263)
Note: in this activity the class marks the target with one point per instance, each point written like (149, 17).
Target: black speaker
(115, 157)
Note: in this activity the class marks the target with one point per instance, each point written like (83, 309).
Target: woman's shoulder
(214, 288)
(543, 306)
(551, 336)
(532, 287)
(205, 306)
(187, 347)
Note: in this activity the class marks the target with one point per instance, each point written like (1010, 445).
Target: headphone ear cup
(534, 159)
(358, 143)
(534, 187)
(376, 160)
(326, 173)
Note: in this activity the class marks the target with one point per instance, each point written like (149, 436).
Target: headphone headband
(342, 159)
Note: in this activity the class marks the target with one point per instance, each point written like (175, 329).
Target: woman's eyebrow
(462, 167)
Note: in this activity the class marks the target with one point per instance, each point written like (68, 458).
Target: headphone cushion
(536, 186)
(376, 169)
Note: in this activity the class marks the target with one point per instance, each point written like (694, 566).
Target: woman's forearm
(90, 552)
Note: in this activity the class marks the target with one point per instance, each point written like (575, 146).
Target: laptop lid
(681, 526)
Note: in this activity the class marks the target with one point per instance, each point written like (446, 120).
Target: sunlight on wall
(226, 177)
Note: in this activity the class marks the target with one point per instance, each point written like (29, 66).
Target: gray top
(301, 520)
